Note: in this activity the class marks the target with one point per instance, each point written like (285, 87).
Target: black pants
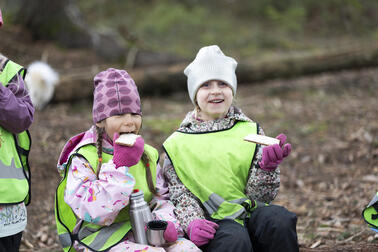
(10, 243)
(270, 228)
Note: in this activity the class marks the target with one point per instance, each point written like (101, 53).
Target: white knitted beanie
(210, 64)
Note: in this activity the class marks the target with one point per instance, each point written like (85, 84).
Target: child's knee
(279, 218)
(237, 241)
(233, 233)
(286, 217)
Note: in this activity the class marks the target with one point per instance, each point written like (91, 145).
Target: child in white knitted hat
(220, 184)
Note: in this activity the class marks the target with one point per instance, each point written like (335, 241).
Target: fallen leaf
(316, 244)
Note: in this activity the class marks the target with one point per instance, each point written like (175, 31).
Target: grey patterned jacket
(261, 185)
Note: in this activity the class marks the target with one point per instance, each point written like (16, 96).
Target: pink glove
(170, 233)
(273, 155)
(201, 231)
(1, 19)
(127, 156)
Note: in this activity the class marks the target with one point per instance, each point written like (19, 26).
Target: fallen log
(310, 63)
(78, 83)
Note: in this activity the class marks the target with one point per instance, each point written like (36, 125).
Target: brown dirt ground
(330, 120)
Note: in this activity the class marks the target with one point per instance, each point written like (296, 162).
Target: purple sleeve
(16, 108)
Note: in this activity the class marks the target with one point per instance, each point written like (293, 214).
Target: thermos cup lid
(157, 225)
(136, 193)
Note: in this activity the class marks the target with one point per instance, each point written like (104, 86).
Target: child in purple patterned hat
(99, 175)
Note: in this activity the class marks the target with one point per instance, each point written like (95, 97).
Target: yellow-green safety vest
(214, 166)
(96, 237)
(370, 213)
(14, 150)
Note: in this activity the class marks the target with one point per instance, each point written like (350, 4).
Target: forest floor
(330, 120)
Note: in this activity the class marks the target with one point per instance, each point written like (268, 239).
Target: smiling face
(214, 99)
(126, 123)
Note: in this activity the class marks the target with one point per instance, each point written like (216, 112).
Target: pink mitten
(201, 231)
(127, 156)
(170, 233)
(1, 19)
(273, 155)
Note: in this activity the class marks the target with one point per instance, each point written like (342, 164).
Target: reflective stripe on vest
(11, 171)
(14, 150)
(95, 237)
(215, 167)
(370, 213)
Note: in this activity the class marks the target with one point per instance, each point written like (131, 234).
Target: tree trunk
(78, 84)
(62, 21)
(48, 19)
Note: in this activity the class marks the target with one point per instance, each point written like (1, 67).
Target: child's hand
(170, 233)
(201, 231)
(127, 156)
(273, 155)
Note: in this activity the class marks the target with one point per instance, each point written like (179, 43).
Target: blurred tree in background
(62, 21)
(48, 19)
(243, 27)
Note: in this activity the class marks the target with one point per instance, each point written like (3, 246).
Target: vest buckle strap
(375, 206)
(247, 207)
(74, 237)
(254, 205)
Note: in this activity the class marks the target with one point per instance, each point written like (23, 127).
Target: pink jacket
(100, 200)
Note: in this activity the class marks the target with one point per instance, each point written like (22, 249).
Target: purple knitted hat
(115, 93)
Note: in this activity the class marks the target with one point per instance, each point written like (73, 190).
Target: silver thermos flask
(140, 215)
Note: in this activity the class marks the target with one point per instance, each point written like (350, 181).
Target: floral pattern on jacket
(99, 200)
(261, 185)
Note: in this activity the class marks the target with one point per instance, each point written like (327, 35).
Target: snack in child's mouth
(127, 139)
(260, 139)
